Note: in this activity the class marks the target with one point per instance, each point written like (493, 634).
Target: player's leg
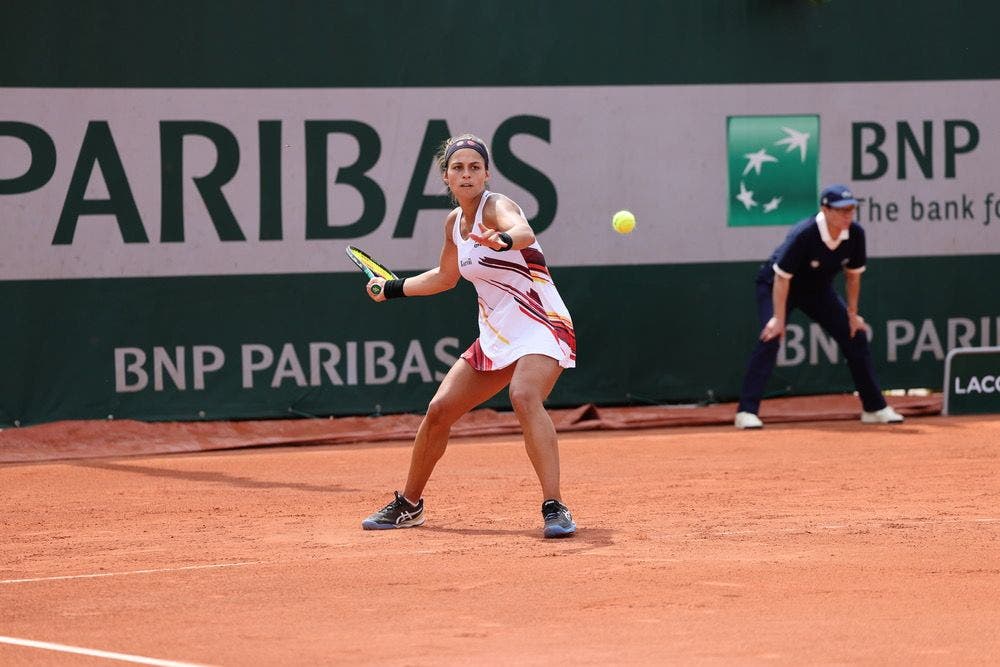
(533, 379)
(829, 311)
(761, 363)
(462, 389)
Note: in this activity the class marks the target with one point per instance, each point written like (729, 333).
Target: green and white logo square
(773, 164)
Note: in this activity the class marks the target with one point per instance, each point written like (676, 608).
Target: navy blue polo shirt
(811, 263)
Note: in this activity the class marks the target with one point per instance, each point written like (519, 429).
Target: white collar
(824, 232)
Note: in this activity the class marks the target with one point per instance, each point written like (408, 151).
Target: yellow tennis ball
(623, 222)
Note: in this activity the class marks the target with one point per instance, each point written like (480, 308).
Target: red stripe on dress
(477, 358)
(530, 303)
(534, 265)
(557, 327)
(529, 299)
(535, 261)
(494, 263)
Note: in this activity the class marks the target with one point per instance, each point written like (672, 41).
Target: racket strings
(374, 266)
(378, 270)
(371, 267)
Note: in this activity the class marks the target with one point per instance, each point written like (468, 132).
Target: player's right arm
(442, 277)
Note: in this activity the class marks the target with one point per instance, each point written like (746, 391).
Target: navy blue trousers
(828, 310)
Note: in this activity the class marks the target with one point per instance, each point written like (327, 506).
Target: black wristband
(505, 237)
(394, 288)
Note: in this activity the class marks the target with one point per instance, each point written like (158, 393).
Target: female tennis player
(525, 339)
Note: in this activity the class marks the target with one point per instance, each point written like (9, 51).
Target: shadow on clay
(584, 538)
(202, 477)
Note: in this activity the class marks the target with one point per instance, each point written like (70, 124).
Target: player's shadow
(206, 477)
(584, 539)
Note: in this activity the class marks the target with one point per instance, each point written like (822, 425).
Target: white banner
(927, 157)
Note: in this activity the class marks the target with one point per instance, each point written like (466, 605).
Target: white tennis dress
(520, 310)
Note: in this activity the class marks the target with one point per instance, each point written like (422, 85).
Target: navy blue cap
(837, 196)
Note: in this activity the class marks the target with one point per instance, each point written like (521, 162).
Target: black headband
(466, 143)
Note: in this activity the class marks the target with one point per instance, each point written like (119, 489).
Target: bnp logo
(773, 167)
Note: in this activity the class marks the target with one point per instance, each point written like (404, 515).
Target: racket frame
(356, 254)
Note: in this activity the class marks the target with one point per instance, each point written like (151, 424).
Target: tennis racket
(371, 268)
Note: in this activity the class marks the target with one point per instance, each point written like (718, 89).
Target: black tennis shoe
(400, 513)
(558, 521)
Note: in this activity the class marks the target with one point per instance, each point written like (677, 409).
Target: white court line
(124, 657)
(120, 574)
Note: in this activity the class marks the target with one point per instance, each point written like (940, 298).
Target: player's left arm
(503, 216)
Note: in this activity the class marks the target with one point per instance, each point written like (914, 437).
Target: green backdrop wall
(517, 42)
(281, 344)
(688, 342)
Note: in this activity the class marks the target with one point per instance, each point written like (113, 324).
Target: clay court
(807, 542)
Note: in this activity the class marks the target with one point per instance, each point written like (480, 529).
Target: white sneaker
(748, 420)
(884, 416)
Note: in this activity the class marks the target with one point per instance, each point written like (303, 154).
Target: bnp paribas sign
(773, 164)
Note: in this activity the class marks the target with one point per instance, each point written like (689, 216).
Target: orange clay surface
(828, 542)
